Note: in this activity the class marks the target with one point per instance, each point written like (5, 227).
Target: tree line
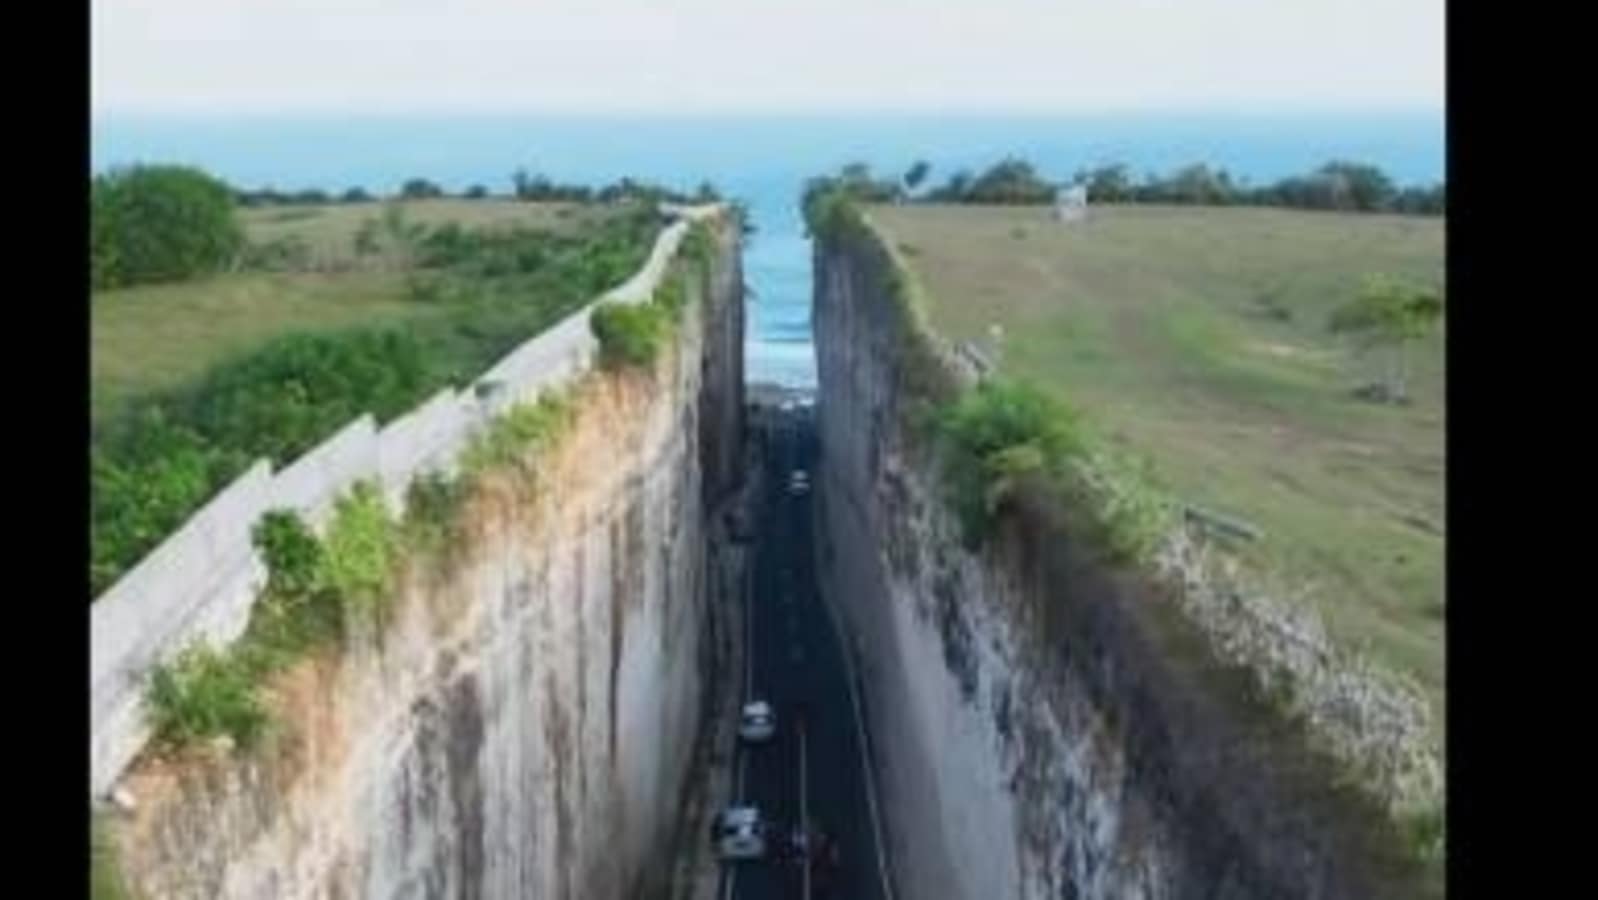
(156, 223)
(524, 186)
(1337, 185)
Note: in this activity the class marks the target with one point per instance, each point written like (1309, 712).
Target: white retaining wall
(200, 583)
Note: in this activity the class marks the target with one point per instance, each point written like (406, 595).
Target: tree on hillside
(355, 195)
(1011, 180)
(954, 190)
(1389, 314)
(857, 180)
(1201, 185)
(916, 174)
(475, 192)
(420, 189)
(1357, 186)
(1107, 184)
(160, 223)
(1421, 201)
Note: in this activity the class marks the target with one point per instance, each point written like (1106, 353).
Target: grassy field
(155, 337)
(1197, 336)
(330, 229)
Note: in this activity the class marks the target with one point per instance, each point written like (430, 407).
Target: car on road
(758, 722)
(799, 482)
(739, 833)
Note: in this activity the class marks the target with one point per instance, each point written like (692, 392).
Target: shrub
(512, 437)
(296, 390)
(1006, 437)
(697, 245)
(203, 694)
(671, 296)
(1128, 513)
(996, 437)
(292, 554)
(359, 551)
(830, 211)
(159, 223)
(629, 333)
(432, 506)
(144, 486)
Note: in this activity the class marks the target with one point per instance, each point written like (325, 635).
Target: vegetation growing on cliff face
(361, 548)
(629, 334)
(317, 585)
(205, 693)
(1007, 437)
(513, 438)
(1198, 336)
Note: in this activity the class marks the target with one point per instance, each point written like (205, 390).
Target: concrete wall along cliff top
(200, 583)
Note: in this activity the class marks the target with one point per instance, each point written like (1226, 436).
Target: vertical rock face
(522, 726)
(1038, 729)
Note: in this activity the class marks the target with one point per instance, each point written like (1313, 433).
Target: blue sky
(712, 56)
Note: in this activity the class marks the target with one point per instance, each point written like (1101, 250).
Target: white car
(740, 834)
(799, 482)
(758, 722)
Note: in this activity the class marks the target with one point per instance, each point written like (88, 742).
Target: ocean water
(760, 160)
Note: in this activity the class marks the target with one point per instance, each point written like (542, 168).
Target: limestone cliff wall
(523, 724)
(1042, 727)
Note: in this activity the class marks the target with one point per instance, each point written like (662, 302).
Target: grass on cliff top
(1198, 336)
(151, 338)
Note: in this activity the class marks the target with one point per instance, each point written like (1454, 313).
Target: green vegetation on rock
(1004, 438)
(513, 437)
(205, 693)
(629, 334)
(360, 548)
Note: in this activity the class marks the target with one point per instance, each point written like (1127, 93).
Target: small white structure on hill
(1071, 203)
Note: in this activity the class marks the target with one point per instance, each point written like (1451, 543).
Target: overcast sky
(705, 56)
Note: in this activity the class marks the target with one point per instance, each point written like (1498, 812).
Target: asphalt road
(814, 764)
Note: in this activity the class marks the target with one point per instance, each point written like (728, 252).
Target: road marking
(804, 813)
